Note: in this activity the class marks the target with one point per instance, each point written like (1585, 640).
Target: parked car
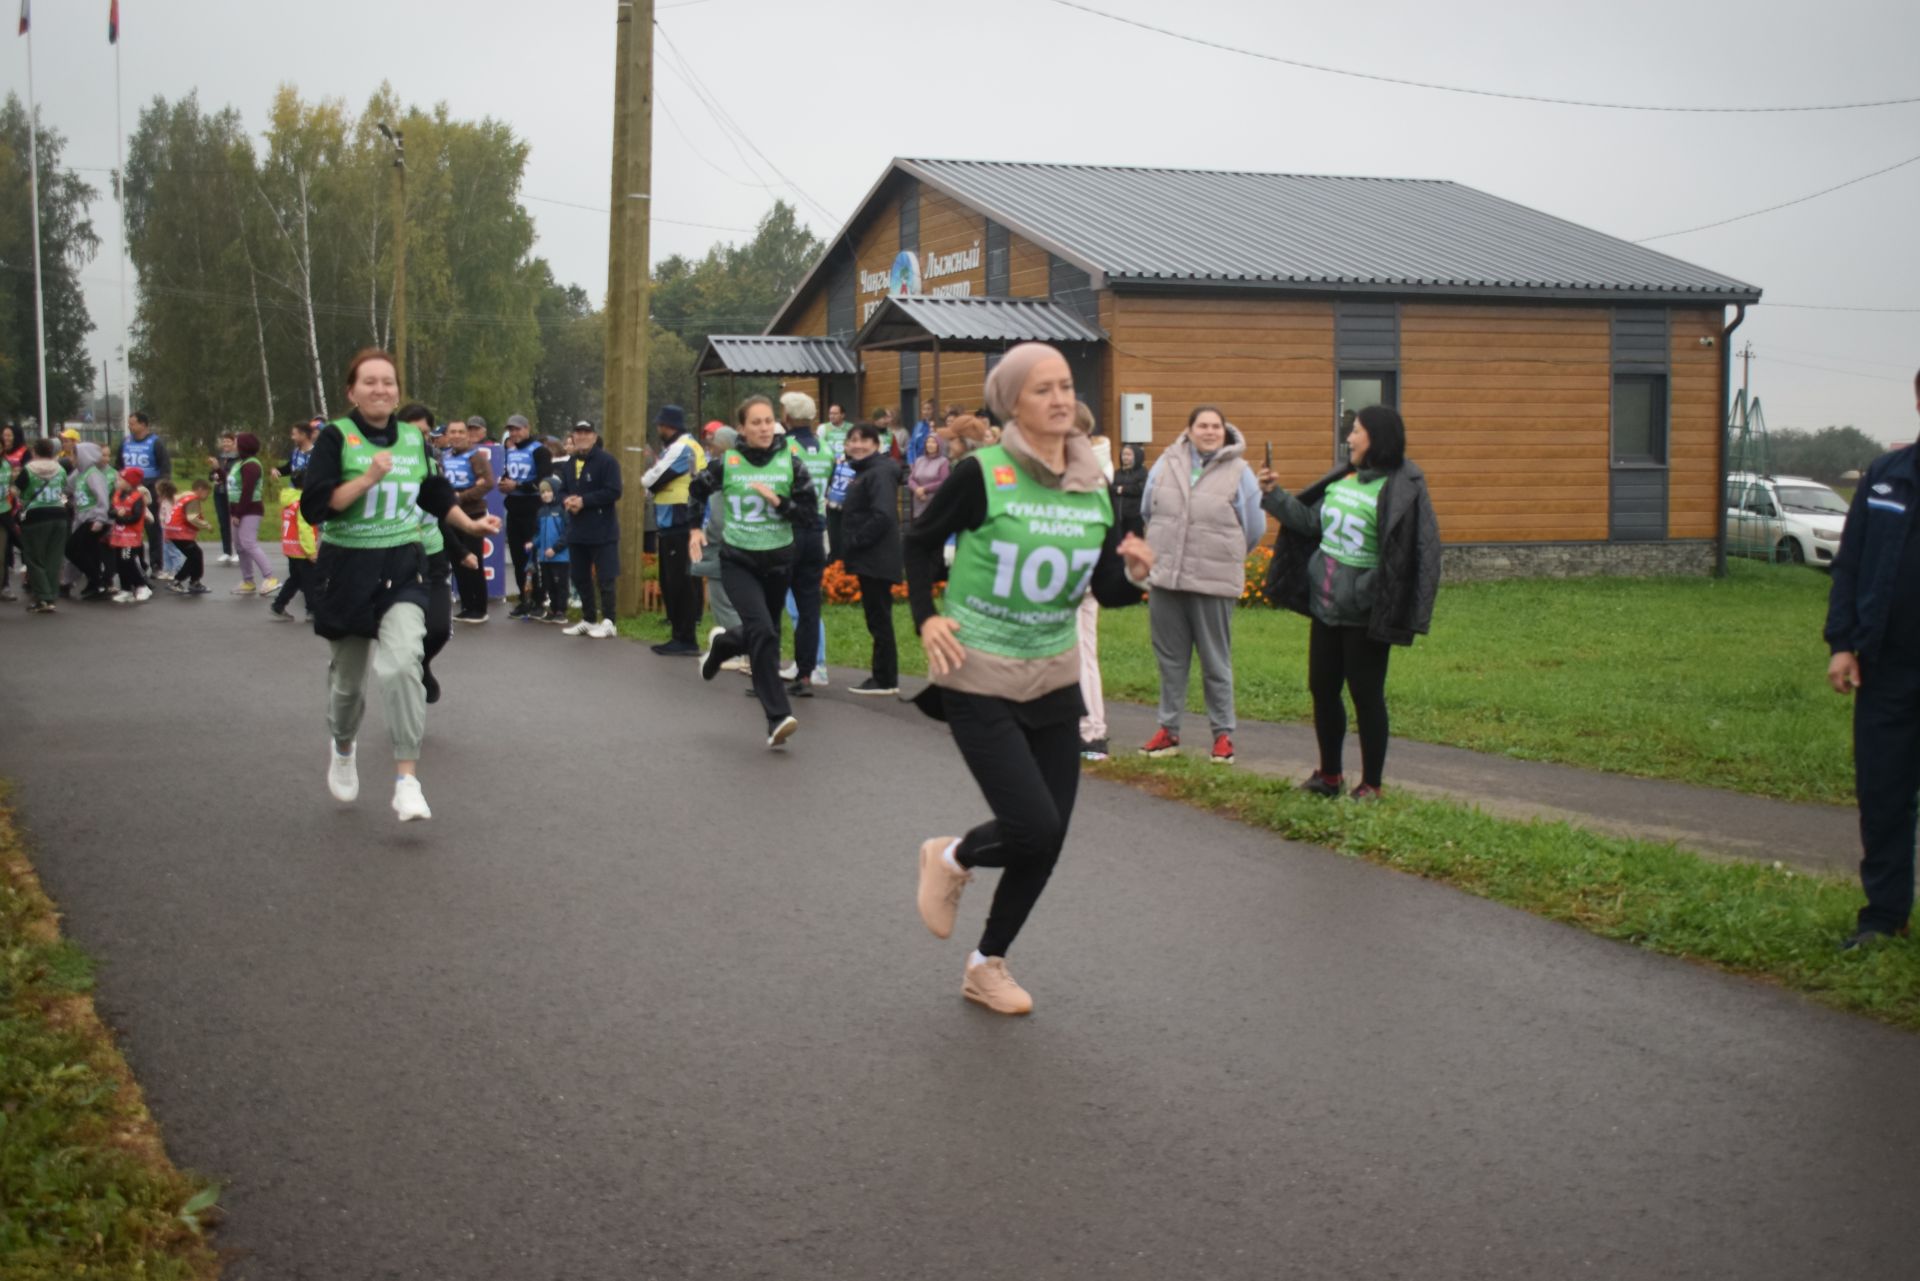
(1785, 518)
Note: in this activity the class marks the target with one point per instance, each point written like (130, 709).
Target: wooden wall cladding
(1507, 413)
(1694, 416)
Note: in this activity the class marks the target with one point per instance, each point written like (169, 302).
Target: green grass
(86, 1191)
(1714, 682)
(1752, 919)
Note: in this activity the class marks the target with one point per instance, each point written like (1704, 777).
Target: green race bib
(752, 523)
(1017, 580)
(1350, 522)
(388, 514)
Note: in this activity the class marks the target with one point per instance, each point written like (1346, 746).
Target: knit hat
(798, 406)
(247, 443)
(1010, 375)
(132, 475)
(672, 417)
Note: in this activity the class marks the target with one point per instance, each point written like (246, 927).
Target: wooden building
(1563, 389)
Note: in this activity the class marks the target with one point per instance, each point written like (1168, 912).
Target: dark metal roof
(775, 356)
(1398, 235)
(913, 322)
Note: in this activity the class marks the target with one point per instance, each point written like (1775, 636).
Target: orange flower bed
(1256, 569)
(838, 587)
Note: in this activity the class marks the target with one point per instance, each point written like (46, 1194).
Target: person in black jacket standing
(591, 482)
(1873, 629)
(871, 525)
(527, 464)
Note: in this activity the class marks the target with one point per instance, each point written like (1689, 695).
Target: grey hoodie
(91, 485)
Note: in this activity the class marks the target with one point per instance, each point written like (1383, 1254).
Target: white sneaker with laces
(604, 630)
(580, 628)
(123, 598)
(142, 594)
(820, 676)
(408, 801)
(790, 671)
(738, 663)
(343, 775)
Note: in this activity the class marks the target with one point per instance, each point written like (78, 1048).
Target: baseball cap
(69, 434)
(518, 420)
(475, 421)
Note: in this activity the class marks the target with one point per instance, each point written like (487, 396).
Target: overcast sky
(830, 90)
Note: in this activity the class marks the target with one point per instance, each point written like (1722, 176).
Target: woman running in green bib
(368, 480)
(1035, 528)
(1368, 584)
(767, 495)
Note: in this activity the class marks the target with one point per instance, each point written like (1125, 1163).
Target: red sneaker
(1163, 743)
(1365, 792)
(1223, 750)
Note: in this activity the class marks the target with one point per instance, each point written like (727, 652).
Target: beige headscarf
(1010, 375)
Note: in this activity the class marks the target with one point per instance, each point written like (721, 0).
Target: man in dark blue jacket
(1873, 628)
(590, 479)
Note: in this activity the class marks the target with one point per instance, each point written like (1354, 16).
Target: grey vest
(1199, 544)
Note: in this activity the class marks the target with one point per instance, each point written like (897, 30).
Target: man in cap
(590, 479)
(667, 480)
(470, 470)
(527, 464)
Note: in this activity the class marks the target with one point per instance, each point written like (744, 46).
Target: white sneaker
(820, 676)
(123, 598)
(790, 671)
(738, 663)
(408, 801)
(604, 630)
(343, 775)
(580, 628)
(779, 733)
(142, 594)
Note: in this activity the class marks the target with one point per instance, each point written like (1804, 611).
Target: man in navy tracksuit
(1873, 628)
(590, 479)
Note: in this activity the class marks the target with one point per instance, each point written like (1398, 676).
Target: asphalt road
(646, 1000)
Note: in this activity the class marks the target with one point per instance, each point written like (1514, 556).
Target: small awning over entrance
(913, 323)
(775, 356)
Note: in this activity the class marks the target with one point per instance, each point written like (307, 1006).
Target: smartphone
(1269, 455)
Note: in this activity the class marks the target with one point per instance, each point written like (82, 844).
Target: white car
(1785, 518)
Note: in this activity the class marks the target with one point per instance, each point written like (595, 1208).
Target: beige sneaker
(990, 985)
(940, 887)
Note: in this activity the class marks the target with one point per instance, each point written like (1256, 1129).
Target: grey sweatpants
(396, 661)
(1181, 623)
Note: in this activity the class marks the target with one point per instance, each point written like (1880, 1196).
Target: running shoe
(8, 594)
(790, 672)
(141, 594)
(522, 610)
(279, 615)
(122, 598)
(97, 593)
(940, 887)
(798, 689)
(716, 654)
(40, 607)
(580, 628)
(1222, 749)
(1163, 743)
(201, 589)
(676, 649)
(1093, 749)
(245, 589)
(180, 588)
(470, 618)
(271, 585)
(163, 577)
(820, 676)
(343, 775)
(1869, 937)
(778, 732)
(604, 630)
(872, 686)
(408, 801)
(738, 663)
(1322, 784)
(1364, 792)
(990, 984)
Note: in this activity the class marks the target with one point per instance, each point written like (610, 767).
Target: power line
(1813, 306)
(1478, 93)
(1797, 200)
(1827, 369)
(704, 158)
(601, 209)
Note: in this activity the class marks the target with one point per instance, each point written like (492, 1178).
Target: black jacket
(1408, 578)
(800, 509)
(869, 520)
(595, 480)
(1865, 568)
(1129, 486)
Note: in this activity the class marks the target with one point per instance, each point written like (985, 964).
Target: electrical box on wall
(1136, 418)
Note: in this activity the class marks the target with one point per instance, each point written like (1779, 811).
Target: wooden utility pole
(629, 275)
(395, 137)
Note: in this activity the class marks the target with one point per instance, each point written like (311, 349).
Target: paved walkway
(645, 1000)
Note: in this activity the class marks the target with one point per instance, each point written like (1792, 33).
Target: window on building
(1640, 419)
(1358, 390)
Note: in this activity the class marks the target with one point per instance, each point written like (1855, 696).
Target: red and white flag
(24, 5)
(113, 23)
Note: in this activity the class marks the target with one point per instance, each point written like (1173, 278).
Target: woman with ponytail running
(767, 495)
(368, 480)
(1036, 532)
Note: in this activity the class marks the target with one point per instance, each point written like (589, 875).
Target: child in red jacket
(127, 535)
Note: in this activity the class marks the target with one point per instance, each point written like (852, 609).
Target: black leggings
(193, 566)
(1338, 656)
(1029, 776)
(760, 598)
(127, 559)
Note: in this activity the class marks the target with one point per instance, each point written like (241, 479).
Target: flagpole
(120, 182)
(39, 296)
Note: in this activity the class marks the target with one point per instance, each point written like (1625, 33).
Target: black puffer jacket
(1407, 580)
(870, 521)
